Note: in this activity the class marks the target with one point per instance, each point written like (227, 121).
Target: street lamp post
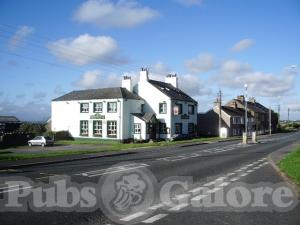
(245, 138)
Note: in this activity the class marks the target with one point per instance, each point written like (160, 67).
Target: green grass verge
(89, 141)
(107, 147)
(290, 164)
(18, 156)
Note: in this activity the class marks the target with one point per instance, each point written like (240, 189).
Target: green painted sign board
(97, 116)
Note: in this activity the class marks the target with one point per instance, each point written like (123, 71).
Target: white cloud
(201, 63)
(19, 37)
(242, 45)
(232, 66)
(190, 2)
(294, 106)
(107, 13)
(234, 74)
(193, 85)
(95, 79)
(189, 83)
(86, 49)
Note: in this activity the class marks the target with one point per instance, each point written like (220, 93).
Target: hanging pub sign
(97, 116)
(185, 117)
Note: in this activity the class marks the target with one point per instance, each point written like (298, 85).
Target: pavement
(217, 166)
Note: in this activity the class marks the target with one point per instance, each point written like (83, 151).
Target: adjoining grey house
(232, 118)
(9, 124)
(259, 113)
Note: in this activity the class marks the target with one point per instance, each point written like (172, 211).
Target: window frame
(81, 129)
(179, 105)
(81, 107)
(137, 128)
(164, 107)
(100, 134)
(109, 135)
(193, 109)
(176, 124)
(193, 126)
(236, 120)
(94, 107)
(163, 129)
(108, 108)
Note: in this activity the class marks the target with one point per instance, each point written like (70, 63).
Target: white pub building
(148, 110)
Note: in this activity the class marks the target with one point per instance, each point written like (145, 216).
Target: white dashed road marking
(155, 218)
(194, 194)
(133, 216)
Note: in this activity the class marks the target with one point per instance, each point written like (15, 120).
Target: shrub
(32, 128)
(63, 135)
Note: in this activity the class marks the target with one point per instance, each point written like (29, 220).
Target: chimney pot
(172, 79)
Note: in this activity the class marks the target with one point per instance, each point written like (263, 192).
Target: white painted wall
(66, 116)
(153, 97)
(143, 135)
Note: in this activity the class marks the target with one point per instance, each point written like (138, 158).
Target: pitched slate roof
(9, 119)
(234, 111)
(144, 116)
(252, 106)
(171, 91)
(103, 93)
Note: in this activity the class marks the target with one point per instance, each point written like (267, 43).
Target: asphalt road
(219, 167)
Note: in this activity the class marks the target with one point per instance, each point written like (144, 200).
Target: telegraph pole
(288, 115)
(245, 138)
(219, 101)
(270, 121)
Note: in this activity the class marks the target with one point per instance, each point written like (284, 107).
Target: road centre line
(179, 207)
(155, 218)
(15, 189)
(133, 216)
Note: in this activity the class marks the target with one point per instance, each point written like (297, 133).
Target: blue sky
(48, 48)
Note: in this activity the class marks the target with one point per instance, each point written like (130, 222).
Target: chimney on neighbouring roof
(172, 79)
(252, 99)
(241, 98)
(144, 74)
(233, 104)
(127, 83)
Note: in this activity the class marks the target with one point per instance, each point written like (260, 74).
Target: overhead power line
(38, 41)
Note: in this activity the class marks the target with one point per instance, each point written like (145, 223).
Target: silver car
(41, 140)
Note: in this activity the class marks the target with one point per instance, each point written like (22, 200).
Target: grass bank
(290, 164)
(100, 146)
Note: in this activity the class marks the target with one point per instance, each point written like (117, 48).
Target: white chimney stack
(127, 83)
(172, 79)
(144, 75)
